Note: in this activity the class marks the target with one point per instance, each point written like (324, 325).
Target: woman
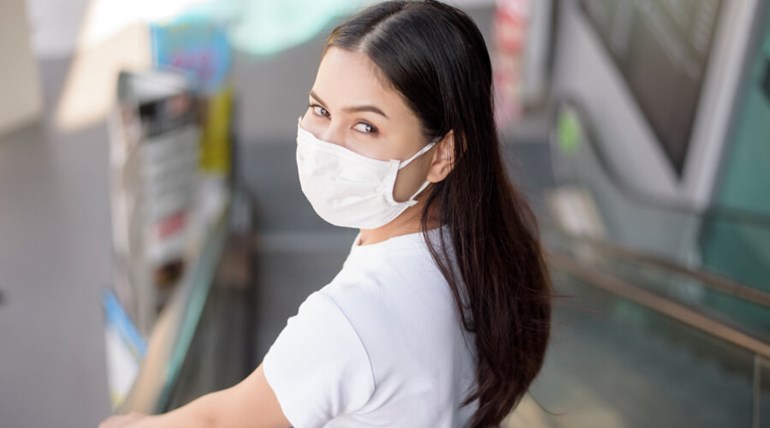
(440, 316)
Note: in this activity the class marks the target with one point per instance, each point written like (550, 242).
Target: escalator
(625, 354)
(649, 328)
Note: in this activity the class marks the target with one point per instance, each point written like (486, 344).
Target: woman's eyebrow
(353, 109)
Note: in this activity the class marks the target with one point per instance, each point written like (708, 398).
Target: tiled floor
(55, 258)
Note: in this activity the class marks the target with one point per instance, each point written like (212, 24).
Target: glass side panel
(576, 191)
(680, 287)
(613, 363)
(588, 194)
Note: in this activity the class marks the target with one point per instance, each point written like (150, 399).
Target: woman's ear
(443, 158)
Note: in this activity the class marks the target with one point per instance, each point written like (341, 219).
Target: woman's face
(350, 106)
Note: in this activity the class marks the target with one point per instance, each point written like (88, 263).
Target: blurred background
(154, 238)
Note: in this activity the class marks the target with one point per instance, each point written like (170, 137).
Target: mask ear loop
(421, 152)
(411, 201)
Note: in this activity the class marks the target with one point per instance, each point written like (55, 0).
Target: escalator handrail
(691, 317)
(708, 279)
(718, 212)
(171, 335)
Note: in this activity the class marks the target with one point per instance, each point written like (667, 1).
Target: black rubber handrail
(689, 316)
(708, 279)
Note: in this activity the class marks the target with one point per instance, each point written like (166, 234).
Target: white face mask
(348, 189)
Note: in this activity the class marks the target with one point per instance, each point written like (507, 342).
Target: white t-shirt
(379, 346)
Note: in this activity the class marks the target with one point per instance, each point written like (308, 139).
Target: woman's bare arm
(249, 404)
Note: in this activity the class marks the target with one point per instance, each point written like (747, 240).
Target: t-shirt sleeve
(318, 367)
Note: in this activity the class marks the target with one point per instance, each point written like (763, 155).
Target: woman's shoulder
(372, 283)
(392, 295)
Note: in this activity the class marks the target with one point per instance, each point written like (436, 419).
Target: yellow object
(215, 139)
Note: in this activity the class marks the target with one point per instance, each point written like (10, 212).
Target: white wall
(19, 81)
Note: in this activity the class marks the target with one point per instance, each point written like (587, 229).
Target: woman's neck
(406, 223)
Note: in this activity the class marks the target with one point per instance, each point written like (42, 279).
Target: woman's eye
(319, 111)
(365, 128)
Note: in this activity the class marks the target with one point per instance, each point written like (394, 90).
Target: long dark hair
(435, 56)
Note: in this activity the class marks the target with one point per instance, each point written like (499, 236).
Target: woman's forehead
(350, 78)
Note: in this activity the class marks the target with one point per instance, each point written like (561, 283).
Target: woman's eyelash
(372, 128)
(325, 113)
